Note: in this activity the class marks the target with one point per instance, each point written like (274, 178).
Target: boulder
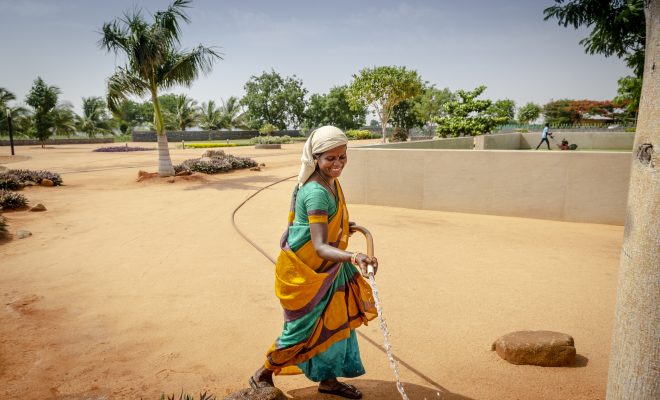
(22, 234)
(543, 348)
(38, 207)
(47, 182)
(265, 393)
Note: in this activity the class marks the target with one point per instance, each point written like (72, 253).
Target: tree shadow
(250, 182)
(375, 389)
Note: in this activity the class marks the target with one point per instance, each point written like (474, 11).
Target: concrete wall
(502, 141)
(201, 136)
(562, 185)
(584, 140)
(29, 142)
(449, 143)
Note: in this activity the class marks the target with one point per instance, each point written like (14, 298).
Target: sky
(502, 44)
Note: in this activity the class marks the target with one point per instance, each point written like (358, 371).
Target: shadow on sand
(373, 389)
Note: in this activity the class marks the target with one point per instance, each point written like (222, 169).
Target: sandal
(258, 385)
(344, 390)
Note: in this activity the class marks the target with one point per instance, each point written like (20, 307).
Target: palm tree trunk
(635, 351)
(165, 167)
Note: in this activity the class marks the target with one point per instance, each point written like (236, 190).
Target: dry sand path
(128, 290)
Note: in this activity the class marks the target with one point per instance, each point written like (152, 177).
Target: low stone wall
(560, 185)
(202, 136)
(448, 143)
(31, 142)
(584, 140)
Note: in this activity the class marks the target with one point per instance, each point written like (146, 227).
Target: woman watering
(324, 296)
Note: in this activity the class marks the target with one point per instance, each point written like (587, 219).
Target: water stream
(386, 336)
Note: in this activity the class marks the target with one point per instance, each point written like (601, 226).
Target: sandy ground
(127, 290)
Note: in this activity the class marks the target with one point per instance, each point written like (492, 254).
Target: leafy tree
(504, 108)
(131, 114)
(431, 104)
(619, 27)
(267, 129)
(154, 62)
(185, 112)
(529, 112)
(405, 117)
(94, 118)
(468, 116)
(383, 88)
(271, 99)
(231, 114)
(335, 109)
(559, 112)
(629, 94)
(209, 116)
(43, 99)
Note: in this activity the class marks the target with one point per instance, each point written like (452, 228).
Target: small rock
(38, 207)
(29, 183)
(262, 164)
(265, 393)
(143, 173)
(170, 180)
(22, 234)
(255, 169)
(544, 348)
(184, 173)
(47, 182)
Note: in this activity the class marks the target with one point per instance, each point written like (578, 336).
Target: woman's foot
(334, 387)
(261, 378)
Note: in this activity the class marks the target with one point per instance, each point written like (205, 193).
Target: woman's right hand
(363, 260)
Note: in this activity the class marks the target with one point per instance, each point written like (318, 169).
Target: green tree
(334, 109)
(629, 94)
(16, 112)
(209, 116)
(271, 99)
(64, 120)
(94, 119)
(232, 115)
(43, 99)
(560, 112)
(383, 88)
(431, 104)
(504, 108)
(405, 116)
(529, 112)
(131, 114)
(185, 112)
(468, 116)
(154, 62)
(619, 27)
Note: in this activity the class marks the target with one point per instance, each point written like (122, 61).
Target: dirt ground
(128, 289)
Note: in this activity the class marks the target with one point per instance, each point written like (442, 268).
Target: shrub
(10, 200)
(186, 396)
(271, 140)
(360, 134)
(9, 181)
(36, 176)
(267, 129)
(210, 145)
(114, 149)
(214, 153)
(631, 129)
(521, 130)
(400, 135)
(217, 161)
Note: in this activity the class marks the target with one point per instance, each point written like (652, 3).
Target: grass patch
(115, 149)
(211, 145)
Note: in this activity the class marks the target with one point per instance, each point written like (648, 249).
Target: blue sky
(505, 45)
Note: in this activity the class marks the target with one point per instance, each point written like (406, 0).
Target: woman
(322, 292)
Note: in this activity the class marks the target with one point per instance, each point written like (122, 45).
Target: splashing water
(386, 336)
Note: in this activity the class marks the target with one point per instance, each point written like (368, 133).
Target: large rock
(544, 348)
(265, 393)
(47, 182)
(38, 207)
(22, 234)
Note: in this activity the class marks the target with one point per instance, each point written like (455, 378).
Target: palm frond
(184, 67)
(168, 20)
(114, 37)
(121, 84)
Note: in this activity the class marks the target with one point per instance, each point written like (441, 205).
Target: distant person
(544, 137)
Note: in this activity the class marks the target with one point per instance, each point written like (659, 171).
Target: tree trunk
(165, 167)
(634, 369)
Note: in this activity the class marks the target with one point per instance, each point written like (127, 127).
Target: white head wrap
(322, 139)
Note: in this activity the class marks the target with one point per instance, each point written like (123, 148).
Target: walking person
(544, 137)
(324, 295)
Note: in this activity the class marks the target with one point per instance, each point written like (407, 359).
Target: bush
(400, 135)
(521, 130)
(186, 396)
(209, 145)
(360, 134)
(114, 149)
(631, 129)
(9, 181)
(216, 162)
(36, 176)
(11, 200)
(271, 140)
(267, 129)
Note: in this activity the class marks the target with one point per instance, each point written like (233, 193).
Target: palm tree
(185, 114)
(232, 114)
(94, 119)
(209, 116)
(154, 62)
(63, 120)
(16, 112)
